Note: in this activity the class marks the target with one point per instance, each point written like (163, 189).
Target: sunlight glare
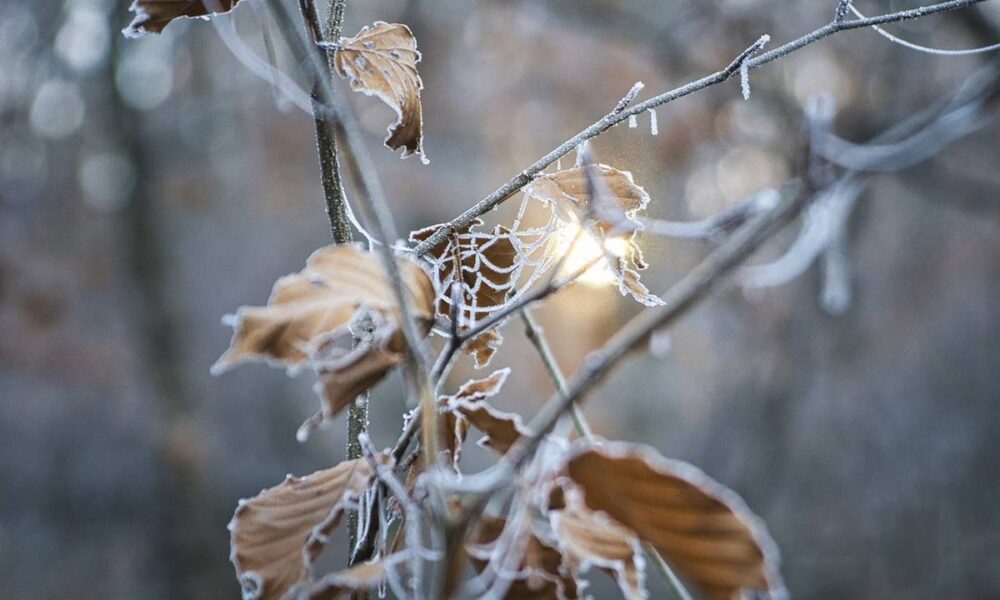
(586, 249)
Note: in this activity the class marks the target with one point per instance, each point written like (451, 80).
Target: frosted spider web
(534, 254)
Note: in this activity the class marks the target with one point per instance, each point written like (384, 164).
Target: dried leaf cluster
(566, 508)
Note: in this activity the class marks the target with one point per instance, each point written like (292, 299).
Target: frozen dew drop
(654, 127)
(632, 122)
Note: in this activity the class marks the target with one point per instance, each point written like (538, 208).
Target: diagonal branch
(616, 116)
(683, 296)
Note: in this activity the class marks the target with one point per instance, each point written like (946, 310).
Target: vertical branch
(336, 208)
(335, 22)
(326, 140)
(375, 210)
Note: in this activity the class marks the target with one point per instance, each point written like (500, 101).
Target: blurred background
(149, 187)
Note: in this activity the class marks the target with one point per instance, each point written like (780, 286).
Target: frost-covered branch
(677, 301)
(374, 209)
(613, 118)
(326, 139)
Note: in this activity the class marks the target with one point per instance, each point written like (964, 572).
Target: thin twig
(536, 336)
(684, 295)
(614, 118)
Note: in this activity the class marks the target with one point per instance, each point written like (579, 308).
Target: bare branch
(375, 209)
(677, 301)
(612, 119)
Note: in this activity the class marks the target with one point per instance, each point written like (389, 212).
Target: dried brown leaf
(154, 15)
(317, 304)
(455, 426)
(502, 429)
(344, 379)
(381, 60)
(542, 574)
(498, 257)
(704, 530)
(483, 347)
(629, 283)
(590, 539)
(276, 535)
(568, 192)
(359, 577)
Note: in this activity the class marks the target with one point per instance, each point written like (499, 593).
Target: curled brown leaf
(455, 426)
(502, 429)
(483, 347)
(569, 193)
(381, 60)
(315, 305)
(542, 573)
(587, 538)
(702, 529)
(483, 264)
(276, 535)
(610, 215)
(359, 577)
(154, 15)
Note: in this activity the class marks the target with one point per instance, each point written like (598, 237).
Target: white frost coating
(745, 64)
(132, 32)
(582, 152)
(745, 80)
(251, 585)
(654, 127)
(925, 49)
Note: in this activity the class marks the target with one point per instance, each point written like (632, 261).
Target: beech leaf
(590, 539)
(315, 306)
(344, 379)
(489, 256)
(702, 529)
(502, 429)
(454, 425)
(542, 574)
(276, 535)
(568, 192)
(486, 264)
(483, 347)
(359, 577)
(381, 60)
(154, 15)
(618, 201)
